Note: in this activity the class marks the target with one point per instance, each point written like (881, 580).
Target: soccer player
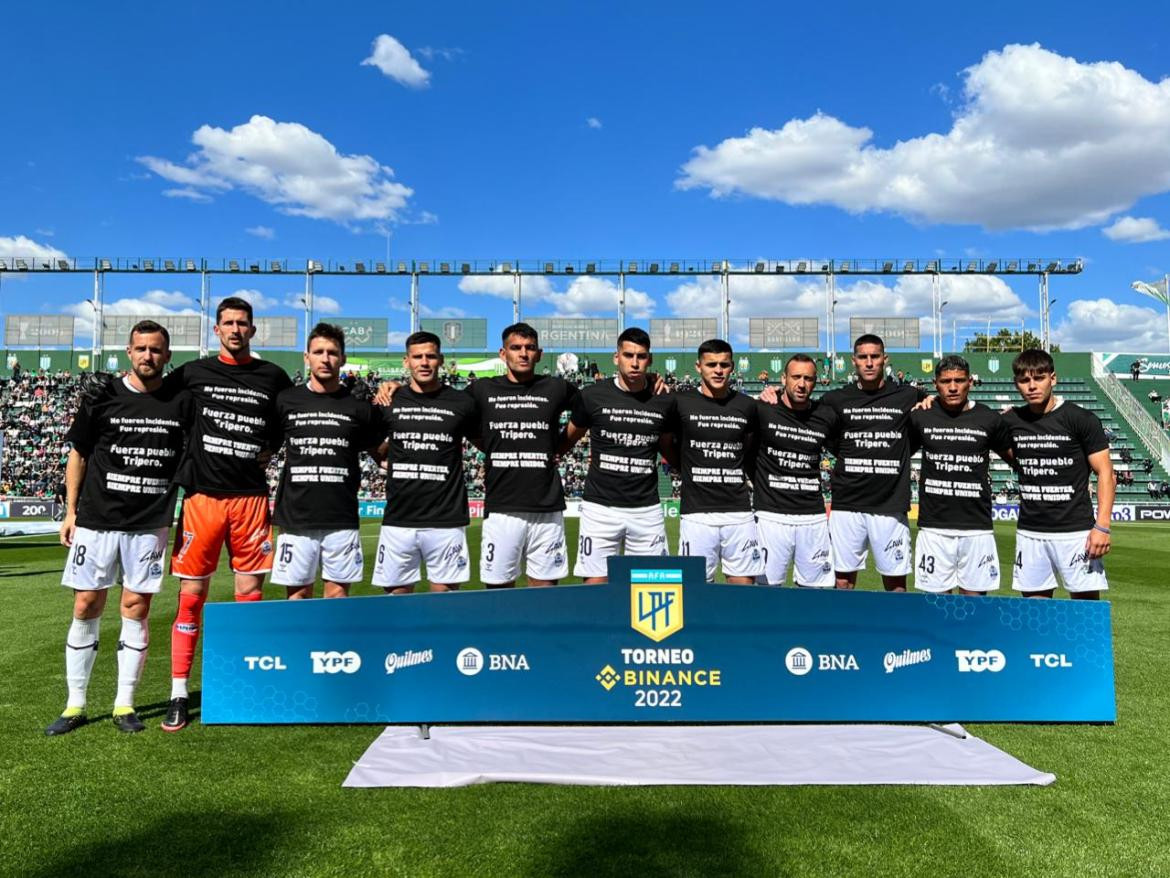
(1056, 443)
(126, 445)
(624, 420)
(524, 500)
(226, 488)
(956, 539)
(786, 477)
(871, 479)
(325, 429)
(426, 496)
(715, 429)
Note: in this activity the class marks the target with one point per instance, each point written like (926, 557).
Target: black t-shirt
(520, 425)
(324, 435)
(132, 443)
(787, 474)
(624, 429)
(872, 473)
(715, 438)
(235, 419)
(424, 477)
(954, 486)
(1052, 452)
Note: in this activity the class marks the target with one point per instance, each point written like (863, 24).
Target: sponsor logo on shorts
(893, 661)
(470, 661)
(150, 555)
(1050, 660)
(799, 661)
(332, 662)
(978, 660)
(397, 660)
(155, 569)
(265, 663)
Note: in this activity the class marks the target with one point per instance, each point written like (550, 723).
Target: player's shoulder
(292, 393)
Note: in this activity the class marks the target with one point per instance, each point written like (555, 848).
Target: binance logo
(656, 609)
(608, 677)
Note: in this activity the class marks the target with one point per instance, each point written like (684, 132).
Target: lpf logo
(335, 662)
(978, 660)
(656, 610)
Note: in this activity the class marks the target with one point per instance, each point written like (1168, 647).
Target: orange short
(206, 521)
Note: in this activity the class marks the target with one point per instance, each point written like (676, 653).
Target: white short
(534, 539)
(1041, 557)
(605, 530)
(799, 539)
(403, 550)
(887, 535)
(728, 536)
(946, 559)
(98, 558)
(338, 552)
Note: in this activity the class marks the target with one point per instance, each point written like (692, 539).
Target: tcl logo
(265, 663)
(335, 662)
(979, 660)
(1050, 660)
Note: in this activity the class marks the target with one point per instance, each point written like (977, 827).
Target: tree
(1003, 341)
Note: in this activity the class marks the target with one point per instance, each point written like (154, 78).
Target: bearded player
(120, 499)
(226, 487)
(325, 430)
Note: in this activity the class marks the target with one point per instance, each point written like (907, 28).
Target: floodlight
(402, 269)
(1032, 266)
(972, 265)
(1053, 266)
(716, 267)
(465, 268)
(105, 265)
(654, 268)
(3, 265)
(590, 267)
(424, 268)
(887, 267)
(506, 267)
(843, 268)
(1073, 266)
(190, 265)
(570, 268)
(1012, 266)
(909, 265)
(255, 266)
(359, 267)
(548, 268)
(992, 266)
(314, 265)
(800, 267)
(674, 268)
(632, 267)
(780, 268)
(341, 268)
(21, 265)
(824, 266)
(445, 267)
(274, 265)
(62, 264)
(233, 265)
(932, 266)
(46, 265)
(760, 268)
(380, 267)
(168, 265)
(148, 265)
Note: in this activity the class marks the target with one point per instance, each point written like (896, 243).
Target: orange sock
(185, 633)
(245, 598)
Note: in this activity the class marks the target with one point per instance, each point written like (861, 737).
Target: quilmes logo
(408, 659)
(656, 602)
(895, 660)
(332, 662)
(979, 660)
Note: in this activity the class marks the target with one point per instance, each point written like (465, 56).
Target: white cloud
(265, 232)
(321, 304)
(167, 299)
(593, 122)
(1106, 325)
(595, 295)
(1135, 230)
(287, 165)
(188, 193)
(432, 52)
(1040, 141)
(533, 288)
(153, 303)
(395, 60)
(257, 299)
(45, 233)
(425, 310)
(21, 247)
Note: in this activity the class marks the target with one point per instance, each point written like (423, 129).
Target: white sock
(178, 687)
(131, 657)
(80, 652)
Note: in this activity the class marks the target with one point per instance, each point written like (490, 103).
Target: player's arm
(668, 448)
(769, 394)
(386, 391)
(1098, 542)
(74, 475)
(570, 436)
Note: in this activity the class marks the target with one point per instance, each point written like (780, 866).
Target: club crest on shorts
(656, 608)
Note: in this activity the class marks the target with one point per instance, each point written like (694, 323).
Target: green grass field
(268, 800)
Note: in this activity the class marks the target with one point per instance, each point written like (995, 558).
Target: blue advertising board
(658, 644)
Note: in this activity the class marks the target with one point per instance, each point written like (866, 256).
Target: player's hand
(925, 404)
(68, 529)
(769, 395)
(264, 457)
(658, 383)
(385, 394)
(1097, 545)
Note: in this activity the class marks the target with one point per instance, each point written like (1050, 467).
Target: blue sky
(614, 131)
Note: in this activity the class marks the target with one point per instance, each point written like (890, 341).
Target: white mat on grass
(457, 756)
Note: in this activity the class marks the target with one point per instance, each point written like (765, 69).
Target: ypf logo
(978, 660)
(656, 609)
(335, 662)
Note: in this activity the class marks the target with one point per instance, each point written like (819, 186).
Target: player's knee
(88, 604)
(134, 605)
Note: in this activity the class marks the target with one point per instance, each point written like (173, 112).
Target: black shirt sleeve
(81, 433)
(579, 413)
